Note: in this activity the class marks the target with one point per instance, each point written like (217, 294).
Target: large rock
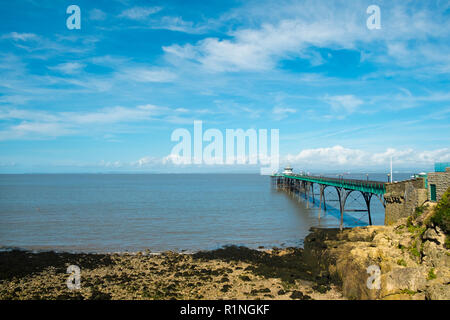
(406, 296)
(436, 235)
(403, 279)
(438, 291)
(345, 257)
(435, 255)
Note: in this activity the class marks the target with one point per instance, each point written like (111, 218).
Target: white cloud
(329, 159)
(147, 162)
(336, 154)
(180, 25)
(142, 74)
(42, 124)
(44, 48)
(344, 104)
(97, 15)
(260, 49)
(20, 36)
(111, 164)
(68, 68)
(282, 112)
(354, 158)
(34, 130)
(139, 13)
(296, 30)
(109, 115)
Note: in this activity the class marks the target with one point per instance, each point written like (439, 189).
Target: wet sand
(227, 273)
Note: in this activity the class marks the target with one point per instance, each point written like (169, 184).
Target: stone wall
(441, 180)
(402, 198)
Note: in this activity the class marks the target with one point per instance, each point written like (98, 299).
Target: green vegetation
(413, 250)
(409, 222)
(401, 262)
(419, 210)
(431, 274)
(441, 216)
(417, 231)
(407, 291)
(417, 245)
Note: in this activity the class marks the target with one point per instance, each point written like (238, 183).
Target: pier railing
(374, 187)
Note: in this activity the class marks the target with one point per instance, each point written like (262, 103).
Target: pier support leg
(341, 208)
(367, 197)
(307, 196)
(321, 199)
(312, 190)
(342, 195)
(305, 187)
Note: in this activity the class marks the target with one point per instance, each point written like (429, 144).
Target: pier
(303, 185)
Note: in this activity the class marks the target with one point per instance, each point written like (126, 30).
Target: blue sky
(108, 96)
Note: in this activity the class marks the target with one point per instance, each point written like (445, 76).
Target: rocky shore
(228, 273)
(412, 257)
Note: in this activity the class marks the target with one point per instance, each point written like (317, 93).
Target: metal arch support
(324, 200)
(343, 195)
(367, 197)
(296, 187)
(343, 199)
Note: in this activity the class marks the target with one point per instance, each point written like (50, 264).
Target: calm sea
(133, 212)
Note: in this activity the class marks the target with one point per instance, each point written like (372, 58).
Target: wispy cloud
(20, 36)
(148, 74)
(139, 13)
(343, 105)
(281, 113)
(43, 47)
(180, 25)
(44, 124)
(97, 15)
(68, 68)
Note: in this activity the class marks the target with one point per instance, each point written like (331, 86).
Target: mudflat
(227, 273)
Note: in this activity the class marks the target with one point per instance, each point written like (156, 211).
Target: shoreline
(139, 252)
(231, 272)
